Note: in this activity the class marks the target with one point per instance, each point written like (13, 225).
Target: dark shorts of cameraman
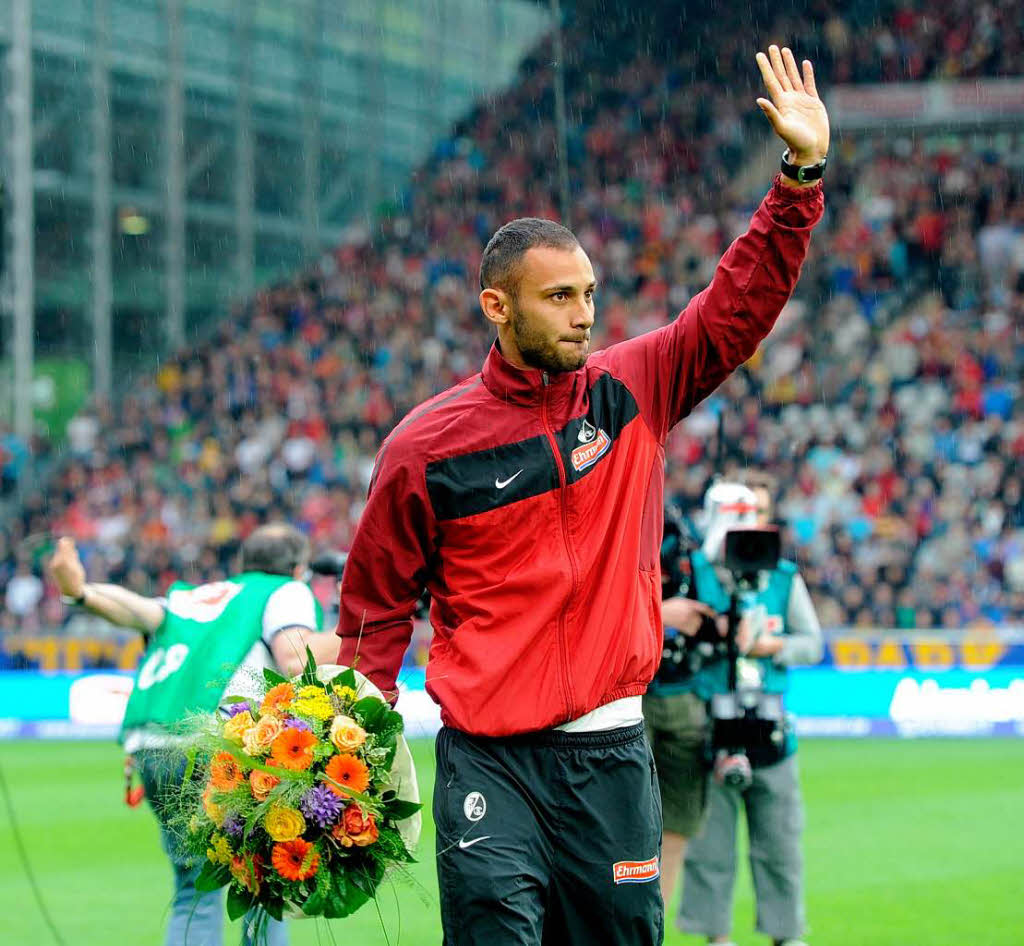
(676, 726)
(548, 839)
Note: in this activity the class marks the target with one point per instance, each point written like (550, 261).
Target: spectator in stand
(334, 357)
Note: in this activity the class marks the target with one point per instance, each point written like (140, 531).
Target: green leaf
(399, 809)
(367, 878)
(371, 711)
(190, 767)
(337, 898)
(347, 678)
(274, 908)
(212, 877)
(309, 677)
(239, 902)
(235, 699)
(345, 897)
(392, 722)
(316, 902)
(392, 847)
(273, 677)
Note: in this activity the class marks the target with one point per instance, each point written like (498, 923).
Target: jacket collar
(524, 385)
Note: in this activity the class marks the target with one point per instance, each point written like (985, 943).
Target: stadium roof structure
(166, 156)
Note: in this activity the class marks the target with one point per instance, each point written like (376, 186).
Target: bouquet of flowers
(302, 800)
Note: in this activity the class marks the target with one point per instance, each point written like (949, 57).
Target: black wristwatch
(73, 601)
(803, 173)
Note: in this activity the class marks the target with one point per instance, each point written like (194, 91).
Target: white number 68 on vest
(161, 664)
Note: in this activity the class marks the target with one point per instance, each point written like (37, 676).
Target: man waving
(528, 500)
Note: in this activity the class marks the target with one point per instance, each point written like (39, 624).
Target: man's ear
(496, 306)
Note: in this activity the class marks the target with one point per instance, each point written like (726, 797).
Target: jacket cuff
(794, 195)
(795, 206)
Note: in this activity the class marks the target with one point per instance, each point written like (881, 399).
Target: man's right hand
(685, 614)
(67, 569)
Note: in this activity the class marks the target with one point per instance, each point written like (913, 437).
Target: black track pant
(549, 838)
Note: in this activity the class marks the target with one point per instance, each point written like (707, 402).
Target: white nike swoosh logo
(463, 843)
(501, 484)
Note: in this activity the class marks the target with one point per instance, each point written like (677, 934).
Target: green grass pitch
(918, 843)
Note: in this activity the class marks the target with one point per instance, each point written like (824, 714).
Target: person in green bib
(205, 644)
(778, 629)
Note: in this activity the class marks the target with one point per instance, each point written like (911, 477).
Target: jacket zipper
(563, 502)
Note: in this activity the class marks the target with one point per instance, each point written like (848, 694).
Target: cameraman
(778, 629)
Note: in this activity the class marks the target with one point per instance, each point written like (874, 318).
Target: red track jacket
(531, 508)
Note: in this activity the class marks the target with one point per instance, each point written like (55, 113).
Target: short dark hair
(276, 548)
(499, 267)
(759, 479)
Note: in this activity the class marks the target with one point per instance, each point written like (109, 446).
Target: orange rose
(261, 783)
(340, 835)
(356, 828)
(257, 740)
(347, 734)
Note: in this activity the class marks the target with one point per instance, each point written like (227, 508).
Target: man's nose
(582, 315)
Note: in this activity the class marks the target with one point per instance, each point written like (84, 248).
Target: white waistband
(615, 715)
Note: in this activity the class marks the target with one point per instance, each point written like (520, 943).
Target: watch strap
(804, 173)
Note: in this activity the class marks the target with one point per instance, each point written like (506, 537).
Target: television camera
(748, 725)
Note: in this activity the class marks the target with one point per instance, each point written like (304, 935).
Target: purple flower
(292, 723)
(233, 709)
(234, 826)
(321, 805)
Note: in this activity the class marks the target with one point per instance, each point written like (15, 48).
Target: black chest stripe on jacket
(498, 476)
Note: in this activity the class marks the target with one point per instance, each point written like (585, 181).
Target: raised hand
(795, 111)
(66, 568)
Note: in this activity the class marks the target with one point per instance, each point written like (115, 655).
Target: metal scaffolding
(102, 238)
(22, 229)
(174, 192)
(164, 157)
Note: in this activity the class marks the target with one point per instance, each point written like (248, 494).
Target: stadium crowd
(885, 404)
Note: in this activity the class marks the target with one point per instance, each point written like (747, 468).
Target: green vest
(773, 598)
(205, 635)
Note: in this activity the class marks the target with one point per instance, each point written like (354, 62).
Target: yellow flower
(213, 811)
(284, 824)
(234, 728)
(311, 693)
(347, 734)
(219, 850)
(346, 693)
(318, 707)
(257, 740)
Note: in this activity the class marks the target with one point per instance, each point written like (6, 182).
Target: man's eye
(560, 296)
